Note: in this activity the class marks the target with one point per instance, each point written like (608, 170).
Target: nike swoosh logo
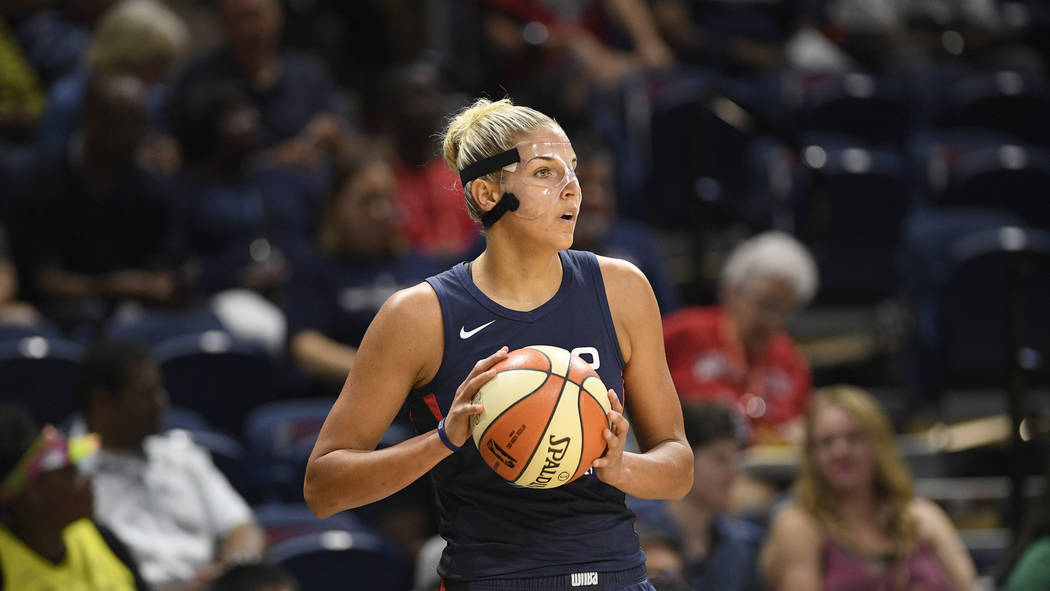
(466, 334)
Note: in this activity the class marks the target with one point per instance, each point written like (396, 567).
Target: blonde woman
(422, 350)
(143, 38)
(855, 523)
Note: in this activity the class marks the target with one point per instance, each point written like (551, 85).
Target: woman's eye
(543, 172)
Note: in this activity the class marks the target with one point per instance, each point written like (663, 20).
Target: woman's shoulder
(931, 521)
(418, 303)
(619, 269)
(408, 330)
(793, 518)
(623, 280)
(925, 511)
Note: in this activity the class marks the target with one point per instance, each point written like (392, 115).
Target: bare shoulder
(619, 273)
(792, 550)
(410, 323)
(418, 303)
(929, 517)
(633, 306)
(627, 288)
(797, 522)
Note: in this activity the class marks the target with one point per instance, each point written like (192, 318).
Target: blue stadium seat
(1006, 176)
(965, 270)
(216, 376)
(40, 373)
(352, 561)
(280, 436)
(993, 271)
(849, 211)
(872, 110)
(1004, 101)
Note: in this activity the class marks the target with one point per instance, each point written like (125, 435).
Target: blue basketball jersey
(495, 529)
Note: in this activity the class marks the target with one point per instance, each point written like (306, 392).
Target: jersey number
(590, 355)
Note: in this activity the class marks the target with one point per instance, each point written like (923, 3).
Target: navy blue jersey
(494, 529)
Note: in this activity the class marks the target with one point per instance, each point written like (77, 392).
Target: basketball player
(526, 288)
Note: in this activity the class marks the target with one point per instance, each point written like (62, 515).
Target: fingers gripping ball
(545, 411)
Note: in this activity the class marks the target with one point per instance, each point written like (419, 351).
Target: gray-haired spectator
(738, 353)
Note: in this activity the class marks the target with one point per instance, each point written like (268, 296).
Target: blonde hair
(485, 129)
(136, 31)
(893, 485)
(774, 254)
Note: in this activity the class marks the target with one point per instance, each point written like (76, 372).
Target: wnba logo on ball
(501, 455)
(556, 449)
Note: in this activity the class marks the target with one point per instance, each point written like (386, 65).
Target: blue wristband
(444, 437)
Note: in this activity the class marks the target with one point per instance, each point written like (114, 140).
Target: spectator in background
(732, 37)
(142, 38)
(1026, 566)
(555, 53)
(47, 537)
(160, 493)
(241, 219)
(663, 551)
(360, 260)
(297, 104)
(602, 231)
(97, 223)
(435, 220)
(718, 552)
(738, 353)
(855, 522)
(902, 37)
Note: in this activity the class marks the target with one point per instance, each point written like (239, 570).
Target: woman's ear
(485, 194)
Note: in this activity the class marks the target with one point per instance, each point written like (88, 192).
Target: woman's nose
(572, 188)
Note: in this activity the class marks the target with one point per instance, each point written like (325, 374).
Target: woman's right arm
(402, 349)
(790, 560)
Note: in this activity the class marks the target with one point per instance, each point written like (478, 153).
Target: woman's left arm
(664, 467)
(947, 546)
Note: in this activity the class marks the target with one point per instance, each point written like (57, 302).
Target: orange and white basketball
(544, 413)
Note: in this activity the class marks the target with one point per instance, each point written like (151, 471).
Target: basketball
(544, 412)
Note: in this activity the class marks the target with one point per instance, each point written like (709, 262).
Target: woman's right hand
(457, 421)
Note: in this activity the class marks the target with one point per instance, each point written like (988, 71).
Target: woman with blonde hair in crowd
(855, 523)
(143, 38)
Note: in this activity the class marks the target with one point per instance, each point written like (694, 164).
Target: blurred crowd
(251, 179)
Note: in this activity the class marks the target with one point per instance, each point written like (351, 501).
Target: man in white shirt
(159, 493)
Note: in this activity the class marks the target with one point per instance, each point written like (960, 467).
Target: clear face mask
(540, 178)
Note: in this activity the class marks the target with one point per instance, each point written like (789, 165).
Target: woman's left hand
(609, 467)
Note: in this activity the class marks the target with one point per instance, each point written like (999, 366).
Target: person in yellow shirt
(48, 541)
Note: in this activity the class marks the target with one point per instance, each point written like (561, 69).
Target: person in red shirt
(738, 353)
(434, 218)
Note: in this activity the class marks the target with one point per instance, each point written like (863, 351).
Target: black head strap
(487, 165)
(508, 202)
